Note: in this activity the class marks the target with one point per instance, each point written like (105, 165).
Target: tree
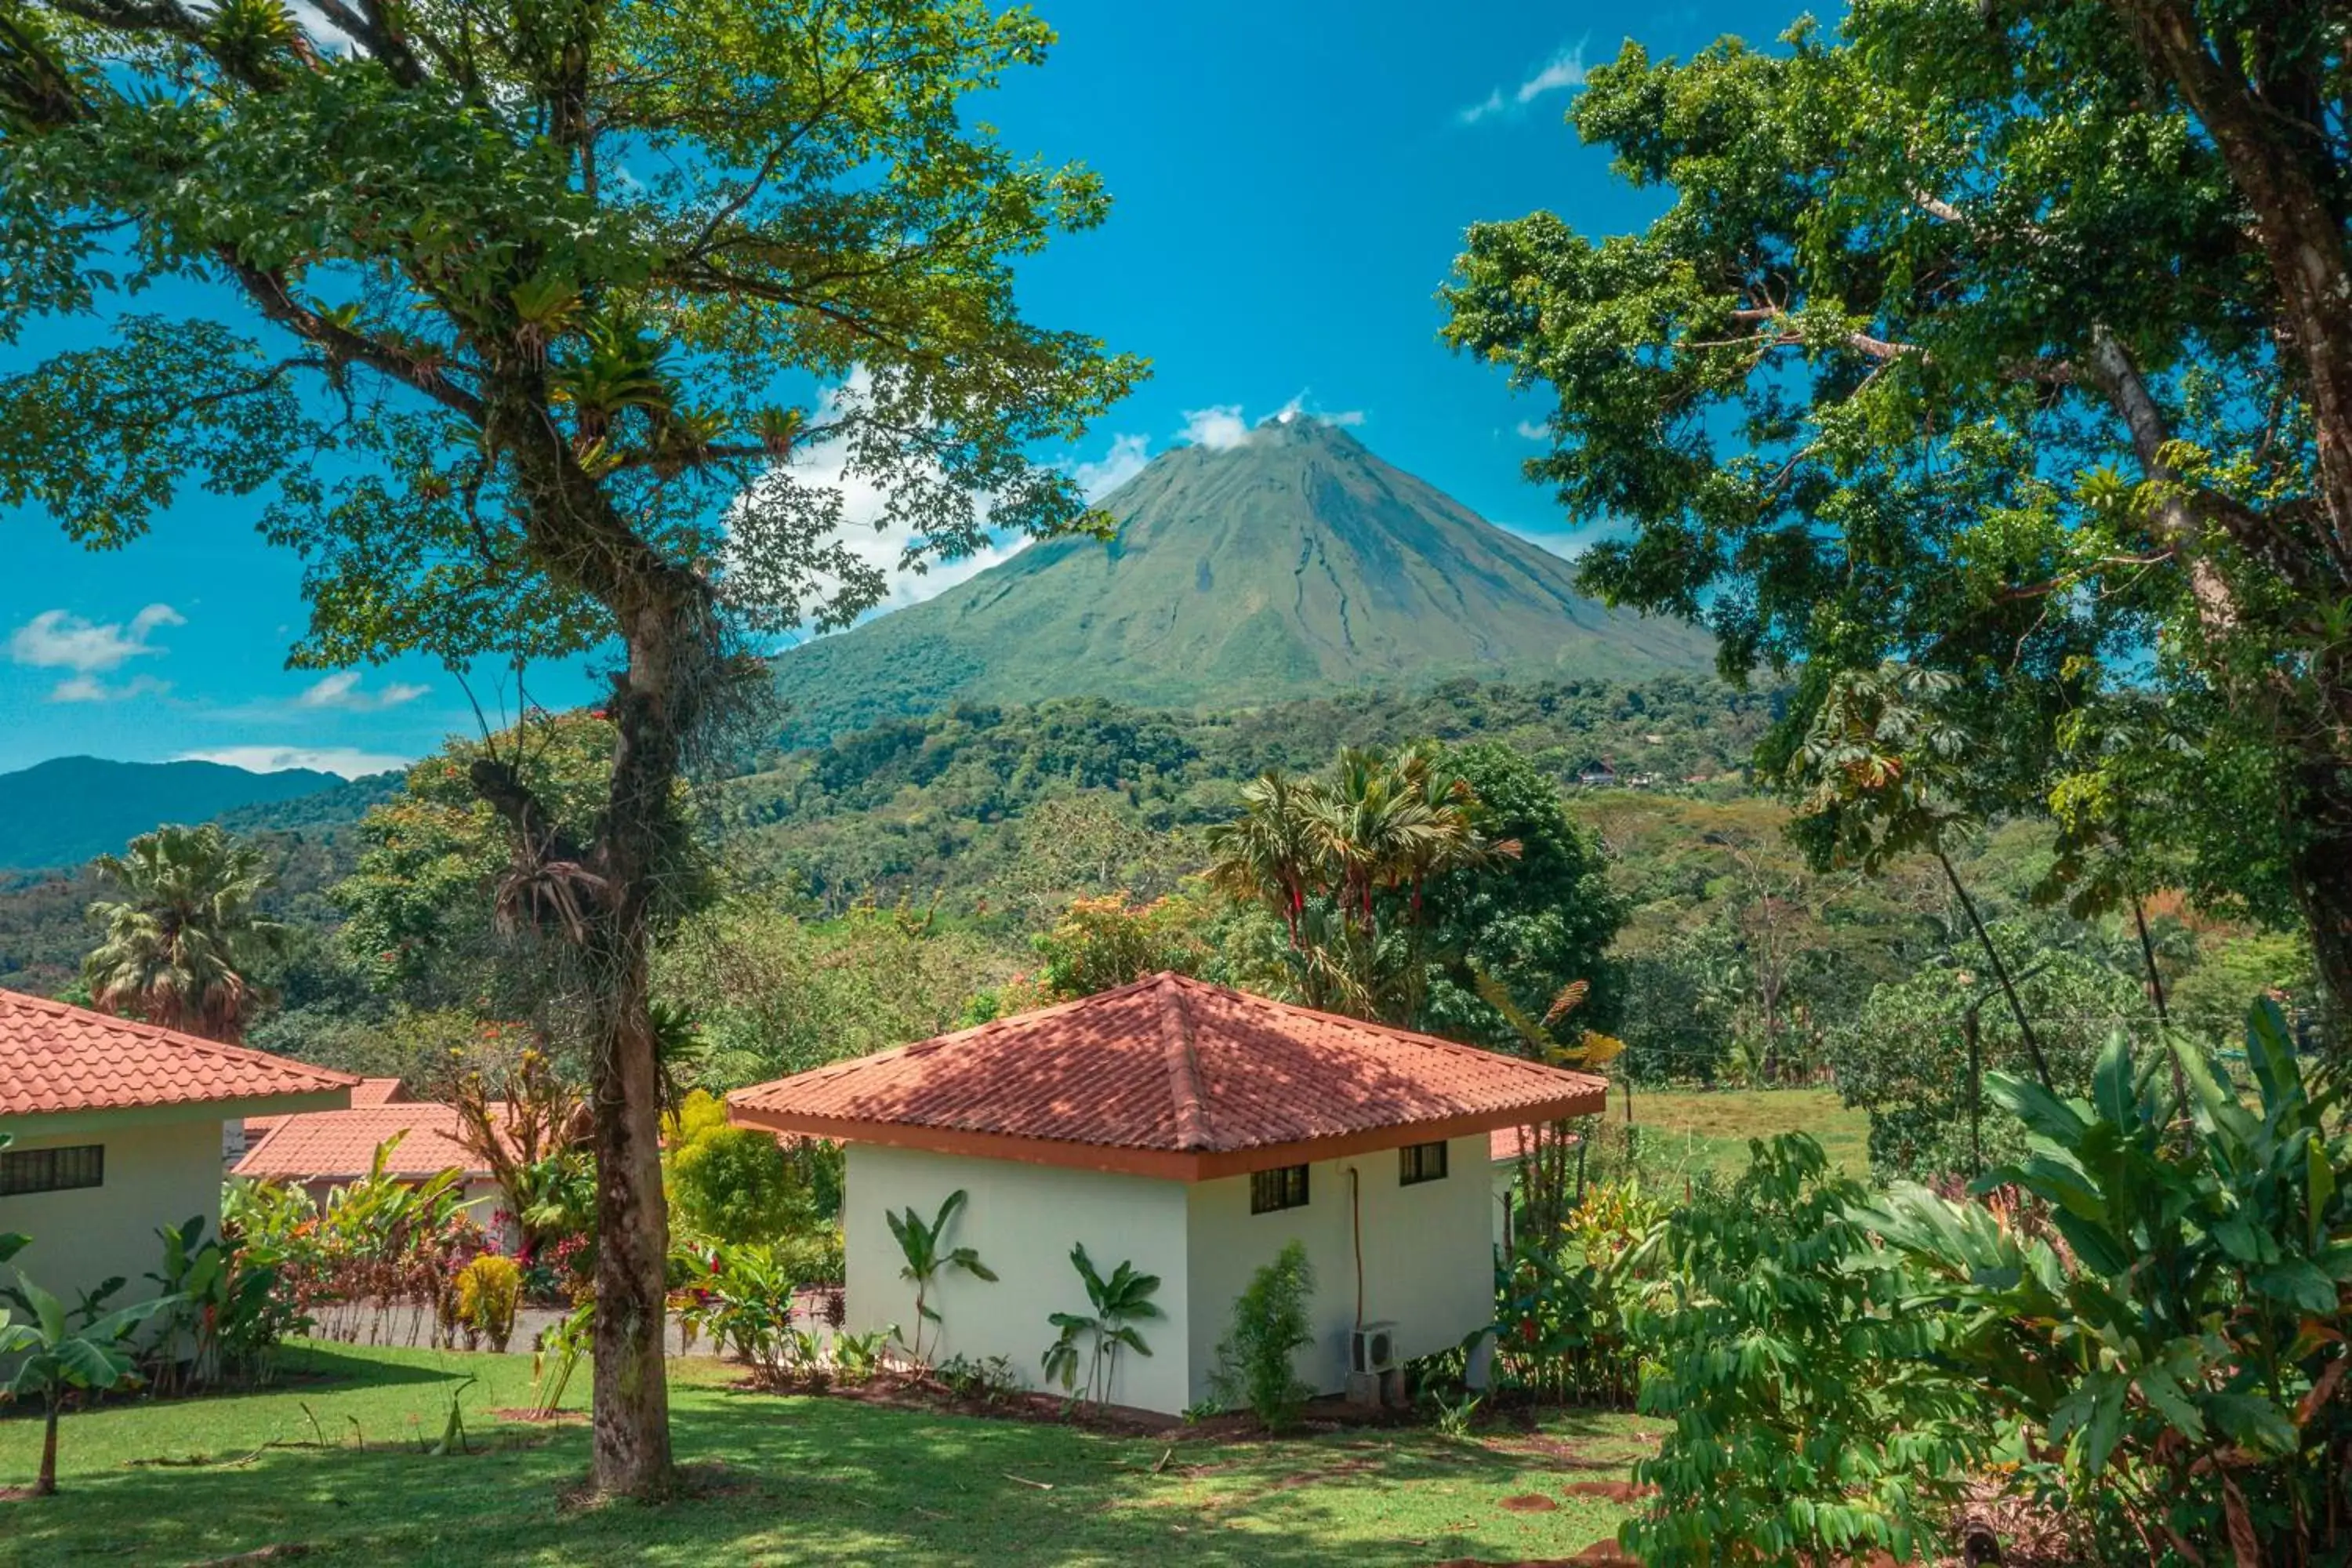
(523, 1120)
(1118, 1303)
(1996, 338)
(562, 281)
(183, 941)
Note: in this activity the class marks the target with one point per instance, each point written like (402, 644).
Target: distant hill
(62, 812)
(1292, 564)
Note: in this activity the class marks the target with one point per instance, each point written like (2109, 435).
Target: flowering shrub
(488, 1289)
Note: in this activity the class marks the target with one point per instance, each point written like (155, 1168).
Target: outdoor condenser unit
(1372, 1348)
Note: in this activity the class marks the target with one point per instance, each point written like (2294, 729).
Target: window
(1281, 1189)
(52, 1170)
(1420, 1162)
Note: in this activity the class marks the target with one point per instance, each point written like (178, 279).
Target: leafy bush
(1560, 1328)
(489, 1290)
(989, 1380)
(230, 1309)
(929, 1258)
(2185, 1351)
(735, 1184)
(1270, 1323)
(743, 1299)
(1813, 1419)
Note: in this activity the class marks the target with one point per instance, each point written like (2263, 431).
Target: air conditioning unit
(1372, 1348)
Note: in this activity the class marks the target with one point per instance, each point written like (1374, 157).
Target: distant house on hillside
(1195, 1131)
(1596, 775)
(320, 1151)
(116, 1130)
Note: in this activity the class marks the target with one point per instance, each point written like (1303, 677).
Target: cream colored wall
(156, 1175)
(1428, 1256)
(1022, 1220)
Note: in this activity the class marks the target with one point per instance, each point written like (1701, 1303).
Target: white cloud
(348, 761)
(60, 639)
(1562, 71)
(340, 689)
(1530, 431)
(1126, 458)
(1219, 428)
(91, 688)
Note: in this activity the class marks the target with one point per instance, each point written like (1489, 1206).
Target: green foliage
(929, 1259)
(232, 1307)
(775, 994)
(183, 940)
(1905, 1056)
(53, 1358)
(1270, 1324)
(2183, 1351)
(1563, 1300)
(735, 1184)
(1118, 1303)
(1101, 944)
(1946, 344)
(1812, 1418)
(741, 1296)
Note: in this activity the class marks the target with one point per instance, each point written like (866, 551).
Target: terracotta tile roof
(368, 1091)
(1214, 1080)
(1510, 1145)
(321, 1145)
(56, 1058)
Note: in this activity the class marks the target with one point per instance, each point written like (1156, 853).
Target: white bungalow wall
(157, 1174)
(1022, 1220)
(1428, 1255)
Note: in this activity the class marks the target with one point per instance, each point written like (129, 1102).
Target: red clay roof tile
(1173, 1066)
(340, 1145)
(56, 1058)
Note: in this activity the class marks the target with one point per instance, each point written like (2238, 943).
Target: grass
(1711, 1128)
(779, 1480)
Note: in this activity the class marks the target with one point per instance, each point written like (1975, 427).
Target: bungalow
(1195, 1131)
(116, 1132)
(322, 1150)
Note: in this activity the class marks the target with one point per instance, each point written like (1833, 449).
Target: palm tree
(182, 943)
(1270, 852)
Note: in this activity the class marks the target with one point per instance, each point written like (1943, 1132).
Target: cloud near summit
(1221, 427)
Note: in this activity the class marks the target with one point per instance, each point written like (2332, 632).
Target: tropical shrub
(1562, 1301)
(230, 1309)
(1814, 1419)
(743, 1299)
(1270, 1323)
(2181, 1340)
(735, 1184)
(1118, 1303)
(489, 1288)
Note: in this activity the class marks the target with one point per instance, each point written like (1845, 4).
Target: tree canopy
(1993, 338)
(537, 312)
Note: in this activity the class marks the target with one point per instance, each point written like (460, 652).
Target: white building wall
(1022, 1220)
(1428, 1257)
(157, 1174)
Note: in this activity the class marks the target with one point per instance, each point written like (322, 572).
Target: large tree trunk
(2319, 862)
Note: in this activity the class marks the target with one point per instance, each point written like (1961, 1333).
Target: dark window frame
(1282, 1187)
(1419, 1162)
(69, 1168)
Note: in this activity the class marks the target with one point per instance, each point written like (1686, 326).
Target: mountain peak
(1291, 561)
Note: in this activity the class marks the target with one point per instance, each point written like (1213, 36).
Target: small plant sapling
(60, 1359)
(1270, 1323)
(1120, 1302)
(929, 1258)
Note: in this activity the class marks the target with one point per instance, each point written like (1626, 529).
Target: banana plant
(60, 1359)
(1119, 1303)
(929, 1258)
(2187, 1346)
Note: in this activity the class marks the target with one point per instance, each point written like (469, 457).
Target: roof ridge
(1193, 1130)
(1365, 1026)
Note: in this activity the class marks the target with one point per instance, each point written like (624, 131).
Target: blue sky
(1292, 179)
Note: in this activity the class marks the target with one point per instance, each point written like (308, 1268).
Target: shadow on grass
(807, 1480)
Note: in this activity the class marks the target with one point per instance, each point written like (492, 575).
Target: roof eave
(1165, 1164)
(115, 1119)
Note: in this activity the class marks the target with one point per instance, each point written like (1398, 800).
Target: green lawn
(1711, 1128)
(780, 1481)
